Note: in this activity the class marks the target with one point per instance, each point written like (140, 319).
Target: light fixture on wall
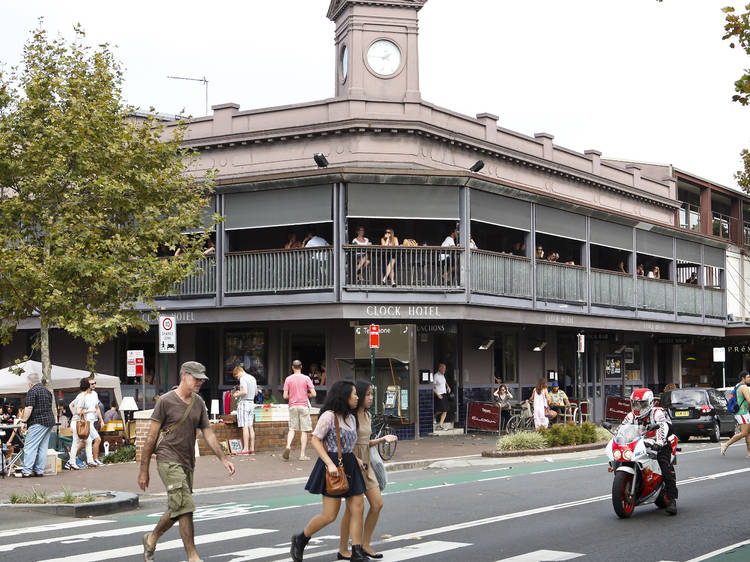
(478, 165)
(539, 346)
(620, 349)
(320, 160)
(486, 345)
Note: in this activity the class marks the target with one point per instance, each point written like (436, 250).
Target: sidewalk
(261, 467)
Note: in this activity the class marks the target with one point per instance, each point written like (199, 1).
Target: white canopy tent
(63, 378)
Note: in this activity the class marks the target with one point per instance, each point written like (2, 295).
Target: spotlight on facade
(540, 346)
(320, 160)
(478, 165)
(485, 346)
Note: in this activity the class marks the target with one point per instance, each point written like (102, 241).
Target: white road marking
(256, 553)
(420, 551)
(496, 469)
(543, 556)
(52, 527)
(719, 551)
(568, 468)
(161, 547)
(81, 537)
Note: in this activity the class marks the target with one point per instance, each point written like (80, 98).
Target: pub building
(547, 243)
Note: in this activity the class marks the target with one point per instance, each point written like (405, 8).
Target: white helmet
(641, 402)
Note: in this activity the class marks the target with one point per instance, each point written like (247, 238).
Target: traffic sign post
(374, 344)
(167, 342)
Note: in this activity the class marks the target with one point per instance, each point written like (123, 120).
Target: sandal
(148, 552)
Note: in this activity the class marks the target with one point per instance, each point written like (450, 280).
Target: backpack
(732, 404)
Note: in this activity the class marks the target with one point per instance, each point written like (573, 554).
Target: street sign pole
(167, 343)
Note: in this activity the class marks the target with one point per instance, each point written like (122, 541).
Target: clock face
(384, 57)
(344, 63)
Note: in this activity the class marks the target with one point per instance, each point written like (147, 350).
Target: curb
(552, 451)
(119, 501)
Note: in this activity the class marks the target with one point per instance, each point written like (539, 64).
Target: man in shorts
(245, 407)
(179, 413)
(298, 389)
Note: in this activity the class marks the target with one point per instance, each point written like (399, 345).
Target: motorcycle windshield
(627, 434)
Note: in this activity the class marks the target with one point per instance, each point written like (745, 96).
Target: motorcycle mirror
(607, 425)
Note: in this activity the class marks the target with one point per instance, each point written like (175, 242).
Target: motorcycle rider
(644, 413)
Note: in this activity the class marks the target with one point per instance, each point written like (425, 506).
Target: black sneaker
(671, 508)
(299, 542)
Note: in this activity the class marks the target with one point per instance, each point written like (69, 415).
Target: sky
(634, 79)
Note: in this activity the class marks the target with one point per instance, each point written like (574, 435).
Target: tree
(87, 196)
(737, 31)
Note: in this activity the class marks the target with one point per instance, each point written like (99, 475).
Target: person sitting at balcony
(519, 249)
(292, 243)
(389, 239)
(654, 273)
(312, 240)
(554, 256)
(472, 244)
(211, 249)
(639, 270)
(693, 279)
(363, 261)
(539, 252)
(621, 266)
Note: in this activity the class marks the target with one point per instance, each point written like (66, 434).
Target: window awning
(279, 207)
(654, 244)
(560, 223)
(390, 201)
(610, 234)
(499, 210)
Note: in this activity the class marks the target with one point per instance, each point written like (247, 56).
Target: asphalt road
(534, 509)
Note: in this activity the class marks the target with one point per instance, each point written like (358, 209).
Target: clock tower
(376, 49)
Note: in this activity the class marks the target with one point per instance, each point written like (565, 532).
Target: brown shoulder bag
(337, 483)
(83, 429)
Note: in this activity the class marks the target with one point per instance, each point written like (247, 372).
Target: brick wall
(268, 435)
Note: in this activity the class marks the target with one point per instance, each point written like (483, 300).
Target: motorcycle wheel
(620, 503)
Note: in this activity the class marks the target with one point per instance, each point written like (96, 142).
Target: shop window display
(248, 349)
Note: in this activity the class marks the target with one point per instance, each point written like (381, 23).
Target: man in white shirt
(245, 408)
(446, 260)
(312, 240)
(441, 389)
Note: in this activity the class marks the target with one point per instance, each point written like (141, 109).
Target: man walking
(440, 389)
(245, 406)
(38, 416)
(177, 416)
(298, 389)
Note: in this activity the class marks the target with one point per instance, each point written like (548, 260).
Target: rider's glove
(650, 443)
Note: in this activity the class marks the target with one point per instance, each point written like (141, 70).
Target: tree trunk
(46, 363)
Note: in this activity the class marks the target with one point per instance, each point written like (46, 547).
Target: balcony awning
(502, 211)
(654, 244)
(365, 200)
(207, 214)
(611, 235)
(560, 223)
(279, 207)
(688, 251)
(713, 256)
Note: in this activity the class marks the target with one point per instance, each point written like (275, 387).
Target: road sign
(135, 362)
(167, 334)
(374, 336)
(581, 343)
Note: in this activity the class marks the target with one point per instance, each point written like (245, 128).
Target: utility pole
(204, 80)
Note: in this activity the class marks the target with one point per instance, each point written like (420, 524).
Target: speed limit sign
(167, 334)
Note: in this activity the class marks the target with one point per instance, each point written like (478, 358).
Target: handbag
(378, 467)
(337, 483)
(166, 431)
(83, 429)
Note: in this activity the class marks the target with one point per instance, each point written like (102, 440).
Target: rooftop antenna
(204, 80)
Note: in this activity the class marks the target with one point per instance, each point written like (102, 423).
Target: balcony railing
(560, 282)
(500, 274)
(199, 284)
(275, 271)
(656, 295)
(721, 225)
(688, 299)
(609, 288)
(714, 299)
(414, 267)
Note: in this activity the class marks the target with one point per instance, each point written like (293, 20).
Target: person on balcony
(362, 260)
(210, 249)
(640, 271)
(389, 239)
(654, 273)
(446, 260)
(292, 243)
(693, 279)
(539, 252)
(621, 266)
(554, 256)
(312, 240)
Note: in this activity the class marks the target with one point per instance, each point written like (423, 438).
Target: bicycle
(380, 428)
(521, 420)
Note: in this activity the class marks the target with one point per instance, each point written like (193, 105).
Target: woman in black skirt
(340, 401)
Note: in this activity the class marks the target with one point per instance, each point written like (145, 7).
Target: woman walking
(84, 408)
(372, 488)
(540, 398)
(335, 417)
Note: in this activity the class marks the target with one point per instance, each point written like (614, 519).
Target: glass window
(506, 358)
(246, 348)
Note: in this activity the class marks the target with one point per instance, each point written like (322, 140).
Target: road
(534, 509)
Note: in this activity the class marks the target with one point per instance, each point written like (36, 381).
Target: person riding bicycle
(644, 413)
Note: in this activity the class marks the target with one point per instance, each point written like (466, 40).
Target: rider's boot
(671, 507)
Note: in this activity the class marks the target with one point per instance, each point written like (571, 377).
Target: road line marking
(81, 537)
(169, 545)
(493, 478)
(52, 527)
(568, 468)
(719, 551)
(408, 552)
(543, 556)
(496, 469)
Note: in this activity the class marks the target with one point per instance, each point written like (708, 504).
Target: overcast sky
(635, 79)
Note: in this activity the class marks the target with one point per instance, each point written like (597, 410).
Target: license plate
(681, 413)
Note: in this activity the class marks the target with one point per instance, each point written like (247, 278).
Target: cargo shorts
(178, 482)
(299, 418)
